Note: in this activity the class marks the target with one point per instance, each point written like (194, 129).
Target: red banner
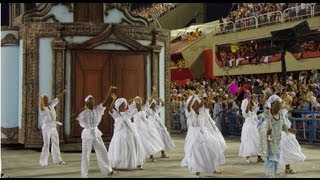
(208, 64)
(181, 74)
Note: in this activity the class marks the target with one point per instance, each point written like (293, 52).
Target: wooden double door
(94, 71)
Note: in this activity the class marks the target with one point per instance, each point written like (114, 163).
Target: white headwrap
(196, 98)
(118, 103)
(87, 98)
(273, 99)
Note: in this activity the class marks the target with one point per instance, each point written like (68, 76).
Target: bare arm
(114, 97)
(209, 100)
(77, 113)
(189, 104)
(60, 96)
(111, 88)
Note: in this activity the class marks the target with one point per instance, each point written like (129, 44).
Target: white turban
(196, 98)
(87, 98)
(120, 101)
(273, 99)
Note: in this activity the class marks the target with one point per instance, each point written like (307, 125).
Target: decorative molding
(50, 16)
(9, 39)
(125, 8)
(12, 135)
(8, 28)
(39, 13)
(112, 34)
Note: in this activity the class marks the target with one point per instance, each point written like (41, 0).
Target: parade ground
(19, 162)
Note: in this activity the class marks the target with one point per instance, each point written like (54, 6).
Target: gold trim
(12, 135)
(8, 28)
(9, 39)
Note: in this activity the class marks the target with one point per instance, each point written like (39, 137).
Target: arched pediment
(112, 34)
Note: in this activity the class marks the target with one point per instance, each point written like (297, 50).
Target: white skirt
(250, 138)
(126, 150)
(290, 150)
(202, 151)
(164, 134)
(213, 129)
(150, 137)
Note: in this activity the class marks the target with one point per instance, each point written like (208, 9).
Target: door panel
(94, 71)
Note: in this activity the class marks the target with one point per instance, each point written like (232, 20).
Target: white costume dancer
(202, 150)
(149, 135)
(126, 150)
(89, 119)
(210, 124)
(290, 150)
(49, 130)
(250, 138)
(152, 110)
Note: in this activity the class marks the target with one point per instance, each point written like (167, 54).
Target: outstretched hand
(113, 87)
(113, 96)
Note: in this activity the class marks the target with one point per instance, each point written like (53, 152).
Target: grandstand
(240, 38)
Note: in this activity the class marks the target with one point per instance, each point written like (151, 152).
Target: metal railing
(293, 13)
(224, 27)
(316, 10)
(246, 23)
(269, 18)
(307, 125)
(296, 13)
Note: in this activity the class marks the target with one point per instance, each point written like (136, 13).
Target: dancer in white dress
(250, 138)
(89, 119)
(149, 135)
(49, 130)
(209, 123)
(125, 150)
(152, 109)
(289, 146)
(203, 153)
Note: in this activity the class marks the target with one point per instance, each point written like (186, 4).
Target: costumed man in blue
(270, 126)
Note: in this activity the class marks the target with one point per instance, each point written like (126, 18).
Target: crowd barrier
(306, 124)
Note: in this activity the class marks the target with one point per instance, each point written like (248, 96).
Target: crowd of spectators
(247, 51)
(290, 11)
(152, 10)
(230, 57)
(304, 86)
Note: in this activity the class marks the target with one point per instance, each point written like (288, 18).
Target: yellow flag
(234, 47)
